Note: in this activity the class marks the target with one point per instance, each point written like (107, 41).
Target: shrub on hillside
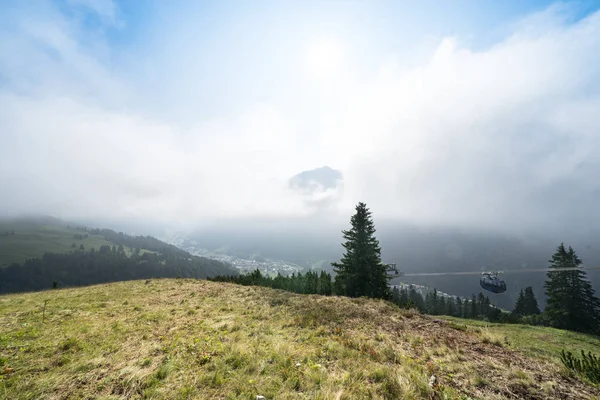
(588, 366)
(536, 319)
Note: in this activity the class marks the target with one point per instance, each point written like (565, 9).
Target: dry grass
(533, 341)
(188, 339)
(488, 336)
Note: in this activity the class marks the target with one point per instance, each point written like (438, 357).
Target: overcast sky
(466, 112)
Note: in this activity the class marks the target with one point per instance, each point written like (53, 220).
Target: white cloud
(485, 137)
(83, 161)
(504, 135)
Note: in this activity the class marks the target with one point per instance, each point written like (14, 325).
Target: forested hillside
(44, 260)
(138, 242)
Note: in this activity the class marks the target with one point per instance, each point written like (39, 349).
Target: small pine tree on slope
(530, 302)
(526, 303)
(360, 272)
(571, 301)
(519, 305)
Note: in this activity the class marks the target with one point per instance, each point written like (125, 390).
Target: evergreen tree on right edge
(571, 301)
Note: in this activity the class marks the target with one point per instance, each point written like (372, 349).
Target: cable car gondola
(392, 271)
(490, 281)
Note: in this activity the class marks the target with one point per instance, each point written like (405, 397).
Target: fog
(187, 117)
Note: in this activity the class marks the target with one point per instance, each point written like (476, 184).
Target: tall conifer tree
(360, 272)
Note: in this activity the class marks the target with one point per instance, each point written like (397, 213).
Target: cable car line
(489, 279)
(508, 271)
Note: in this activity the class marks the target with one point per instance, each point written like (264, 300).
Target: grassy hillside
(185, 339)
(34, 237)
(535, 341)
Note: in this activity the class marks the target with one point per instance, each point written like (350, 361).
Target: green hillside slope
(194, 339)
(41, 253)
(535, 341)
(34, 237)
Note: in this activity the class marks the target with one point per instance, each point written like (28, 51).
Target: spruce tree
(325, 283)
(441, 305)
(459, 307)
(417, 299)
(571, 301)
(530, 303)
(396, 296)
(474, 312)
(430, 303)
(467, 309)
(450, 309)
(400, 297)
(526, 303)
(360, 272)
(404, 296)
(485, 308)
(519, 308)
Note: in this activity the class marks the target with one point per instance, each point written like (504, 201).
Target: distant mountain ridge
(318, 188)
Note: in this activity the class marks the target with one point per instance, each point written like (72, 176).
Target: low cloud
(501, 137)
(505, 136)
